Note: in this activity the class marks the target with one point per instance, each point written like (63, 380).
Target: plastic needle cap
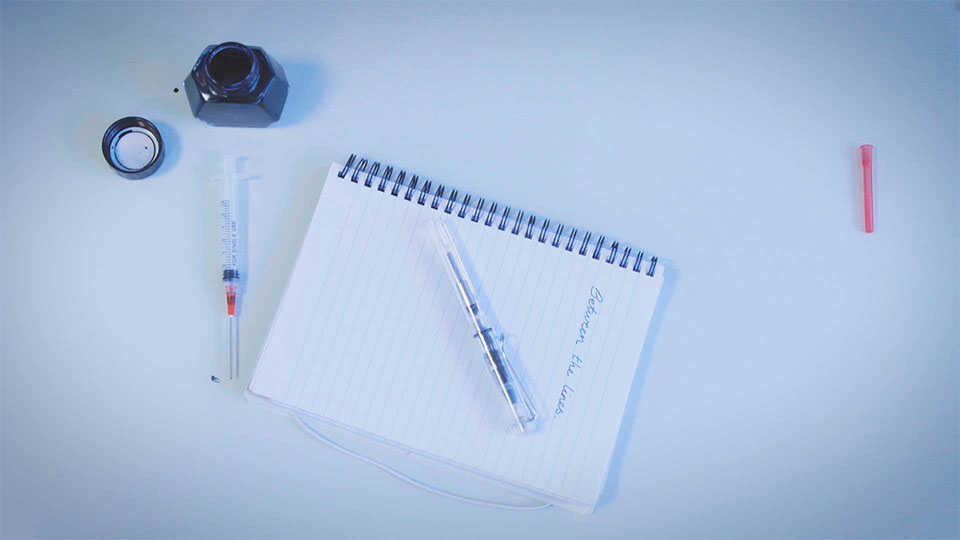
(866, 157)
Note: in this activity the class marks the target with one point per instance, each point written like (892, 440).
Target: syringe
(228, 367)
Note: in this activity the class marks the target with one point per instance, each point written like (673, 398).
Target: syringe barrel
(227, 208)
(228, 230)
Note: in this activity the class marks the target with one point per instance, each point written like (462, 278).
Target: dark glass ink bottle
(235, 85)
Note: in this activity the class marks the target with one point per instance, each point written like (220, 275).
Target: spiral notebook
(369, 335)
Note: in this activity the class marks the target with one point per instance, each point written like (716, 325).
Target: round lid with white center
(133, 147)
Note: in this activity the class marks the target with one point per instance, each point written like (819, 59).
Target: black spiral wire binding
(476, 214)
(398, 183)
(374, 169)
(573, 238)
(613, 252)
(556, 237)
(492, 213)
(543, 231)
(350, 160)
(586, 242)
(356, 172)
(413, 186)
(369, 181)
(451, 200)
(596, 252)
(516, 224)
(422, 198)
(653, 265)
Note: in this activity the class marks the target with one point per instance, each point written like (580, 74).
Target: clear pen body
(518, 401)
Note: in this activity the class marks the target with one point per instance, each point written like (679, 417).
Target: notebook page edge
(608, 461)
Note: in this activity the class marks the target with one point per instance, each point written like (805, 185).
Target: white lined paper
(370, 335)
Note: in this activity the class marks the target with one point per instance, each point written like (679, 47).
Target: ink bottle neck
(232, 69)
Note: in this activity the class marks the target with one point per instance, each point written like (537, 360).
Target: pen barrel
(521, 408)
(518, 401)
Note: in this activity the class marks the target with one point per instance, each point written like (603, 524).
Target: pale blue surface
(802, 378)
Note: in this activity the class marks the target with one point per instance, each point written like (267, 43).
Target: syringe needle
(233, 352)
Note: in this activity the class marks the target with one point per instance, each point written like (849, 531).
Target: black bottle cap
(133, 147)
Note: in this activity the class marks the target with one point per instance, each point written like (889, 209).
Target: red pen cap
(866, 158)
